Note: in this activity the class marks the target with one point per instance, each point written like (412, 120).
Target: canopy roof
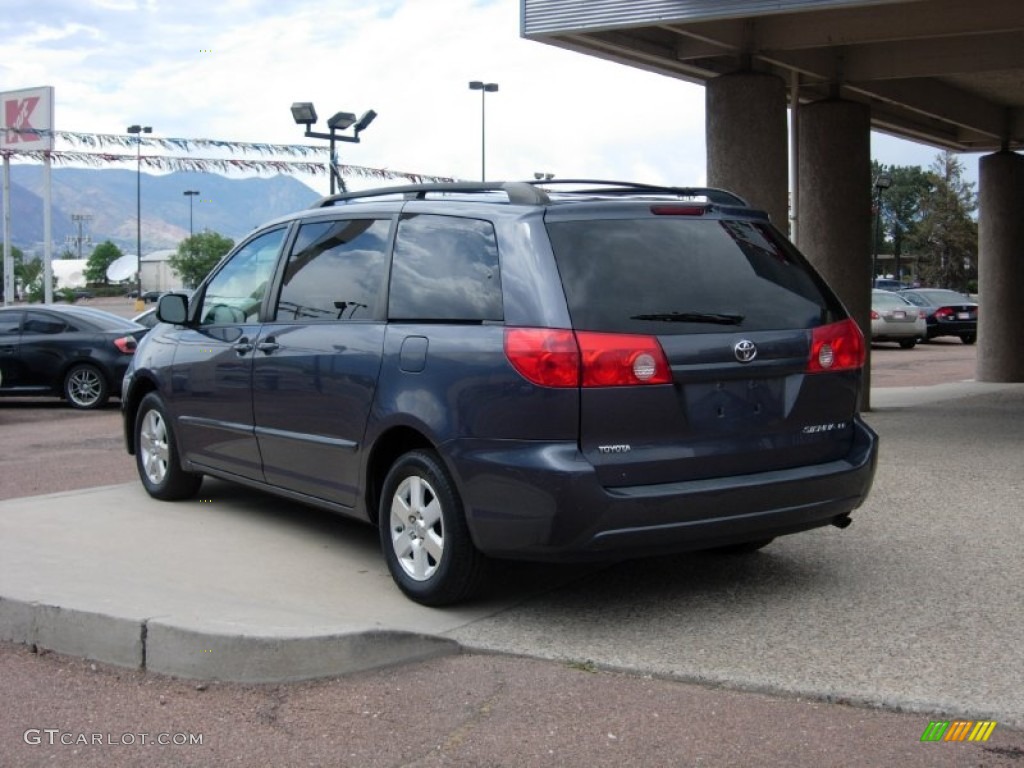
(946, 72)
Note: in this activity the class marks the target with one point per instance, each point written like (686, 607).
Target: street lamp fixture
(484, 88)
(884, 181)
(190, 193)
(304, 113)
(137, 131)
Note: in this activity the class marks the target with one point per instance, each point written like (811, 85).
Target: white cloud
(232, 71)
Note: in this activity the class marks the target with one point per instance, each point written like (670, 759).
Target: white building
(157, 274)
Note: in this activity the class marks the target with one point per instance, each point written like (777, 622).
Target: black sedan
(77, 353)
(947, 313)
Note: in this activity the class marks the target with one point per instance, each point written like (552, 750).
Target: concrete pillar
(1000, 267)
(834, 212)
(747, 145)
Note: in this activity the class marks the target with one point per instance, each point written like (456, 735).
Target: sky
(230, 70)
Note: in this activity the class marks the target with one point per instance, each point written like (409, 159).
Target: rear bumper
(952, 328)
(542, 501)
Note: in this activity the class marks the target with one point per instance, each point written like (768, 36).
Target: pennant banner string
(210, 164)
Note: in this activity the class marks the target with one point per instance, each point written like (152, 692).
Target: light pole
(484, 88)
(138, 130)
(884, 181)
(304, 113)
(190, 193)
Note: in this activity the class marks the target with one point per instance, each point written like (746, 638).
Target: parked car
(947, 313)
(887, 284)
(893, 318)
(77, 353)
(542, 371)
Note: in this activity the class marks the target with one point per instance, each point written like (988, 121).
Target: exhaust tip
(843, 521)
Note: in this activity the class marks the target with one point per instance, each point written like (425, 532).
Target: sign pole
(47, 227)
(8, 256)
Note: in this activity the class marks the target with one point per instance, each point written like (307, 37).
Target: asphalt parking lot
(909, 609)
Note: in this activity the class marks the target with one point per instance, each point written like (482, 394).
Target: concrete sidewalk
(914, 607)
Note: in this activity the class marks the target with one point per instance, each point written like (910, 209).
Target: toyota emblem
(745, 350)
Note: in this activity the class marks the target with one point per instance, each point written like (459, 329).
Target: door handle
(243, 346)
(268, 346)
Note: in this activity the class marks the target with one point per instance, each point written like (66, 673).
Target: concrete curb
(190, 652)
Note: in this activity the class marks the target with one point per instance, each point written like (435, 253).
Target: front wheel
(908, 343)
(424, 535)
(156, 454)
(86, 387)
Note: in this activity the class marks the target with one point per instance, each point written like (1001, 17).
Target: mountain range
(229, 206)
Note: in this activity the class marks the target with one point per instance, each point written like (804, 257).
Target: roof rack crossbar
(715, 195)
(518, 192)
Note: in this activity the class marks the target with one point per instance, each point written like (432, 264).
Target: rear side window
(674, 275)
(37, 322)
(445, 268)
(336, 271)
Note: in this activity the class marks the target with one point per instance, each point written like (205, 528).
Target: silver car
(893, 318)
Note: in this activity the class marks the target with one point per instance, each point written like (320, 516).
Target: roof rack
(535, 192)
(517, 191)
(625, 188)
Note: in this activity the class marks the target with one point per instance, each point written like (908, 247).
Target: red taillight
(922, 314)
(836, 347)
(620, 360)
(944, 313)
(126, 345)
(561, 358)
(548, 357)
(678, 210)
(874, 315)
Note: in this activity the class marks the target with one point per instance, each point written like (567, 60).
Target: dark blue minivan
(540, 371)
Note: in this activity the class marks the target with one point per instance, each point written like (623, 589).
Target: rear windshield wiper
(719, 318)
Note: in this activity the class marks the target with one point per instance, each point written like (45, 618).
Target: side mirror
(172, 308)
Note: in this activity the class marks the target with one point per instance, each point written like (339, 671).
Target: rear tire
(156, 454)
(969, 338)
(85, 387)
(423, 533)
(908, 343)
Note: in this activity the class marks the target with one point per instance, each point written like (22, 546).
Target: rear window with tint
(886, 300)
(670, 275)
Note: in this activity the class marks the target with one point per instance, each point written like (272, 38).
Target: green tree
(946, 237)
(17, 256)
(198, 254)
(900, 208)
(103, 255)
(30, 275)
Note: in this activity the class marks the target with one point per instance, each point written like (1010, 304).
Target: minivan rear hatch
(763, 361)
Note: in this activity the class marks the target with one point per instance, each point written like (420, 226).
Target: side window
(236, 292)
(336, 271)
(38, 322)
(10, 324)
(445, 268)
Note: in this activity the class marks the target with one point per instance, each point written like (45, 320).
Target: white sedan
(893, 318)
